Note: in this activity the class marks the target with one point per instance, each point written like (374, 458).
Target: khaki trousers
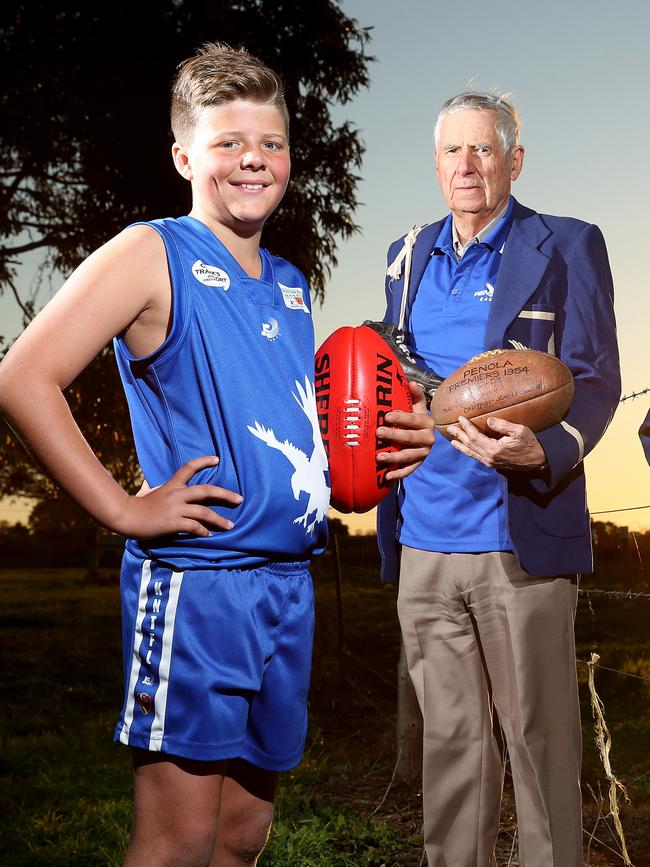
(480, 632)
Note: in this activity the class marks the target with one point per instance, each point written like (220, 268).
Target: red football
(519, 385)
(358, 380)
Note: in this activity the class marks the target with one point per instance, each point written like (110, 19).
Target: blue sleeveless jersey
(234, 378)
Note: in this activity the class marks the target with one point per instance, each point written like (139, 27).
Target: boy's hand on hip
(176, 508)
(413, 436)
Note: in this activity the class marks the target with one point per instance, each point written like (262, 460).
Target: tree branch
(7, 191)
(24, 248)
(28, 310)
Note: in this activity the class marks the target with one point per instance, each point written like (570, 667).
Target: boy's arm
(123, 287)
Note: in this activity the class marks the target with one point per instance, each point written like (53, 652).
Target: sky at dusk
(578, 72)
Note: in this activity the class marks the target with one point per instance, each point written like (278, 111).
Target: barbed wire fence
(603, 737)
(634, 394)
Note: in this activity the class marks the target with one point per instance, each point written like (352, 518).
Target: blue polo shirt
(453, 503)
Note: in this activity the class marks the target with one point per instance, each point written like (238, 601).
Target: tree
(85, 136)
(338, 528)
(85, 145)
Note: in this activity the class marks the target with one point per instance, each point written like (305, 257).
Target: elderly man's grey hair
(508, 123)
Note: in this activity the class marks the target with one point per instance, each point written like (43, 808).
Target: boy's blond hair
(216, 75)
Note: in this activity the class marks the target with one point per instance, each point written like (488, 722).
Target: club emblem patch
(271, 329)
(210, 275)
(293, 297)
(145, 702)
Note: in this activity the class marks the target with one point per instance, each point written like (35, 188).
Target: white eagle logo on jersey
(309, 473)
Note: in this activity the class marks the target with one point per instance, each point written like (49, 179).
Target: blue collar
(495, 240)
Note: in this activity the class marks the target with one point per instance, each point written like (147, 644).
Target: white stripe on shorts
(160, 701)
(136, 661)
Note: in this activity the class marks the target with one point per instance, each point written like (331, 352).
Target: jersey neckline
(211, 238)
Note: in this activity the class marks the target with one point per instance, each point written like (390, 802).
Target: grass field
(65, 787)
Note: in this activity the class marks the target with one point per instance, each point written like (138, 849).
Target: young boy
(215, 349)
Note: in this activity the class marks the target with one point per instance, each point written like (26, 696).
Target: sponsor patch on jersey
(293, 297)
(271, 329)
(210, 275)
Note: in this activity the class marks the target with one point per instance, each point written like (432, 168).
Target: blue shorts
(217, 662)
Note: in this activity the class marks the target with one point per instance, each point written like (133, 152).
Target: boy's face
(238, 164)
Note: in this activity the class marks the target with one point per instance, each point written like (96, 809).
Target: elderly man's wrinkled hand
(516, 447)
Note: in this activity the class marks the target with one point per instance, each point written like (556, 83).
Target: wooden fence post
(339, 602)
(409, 724)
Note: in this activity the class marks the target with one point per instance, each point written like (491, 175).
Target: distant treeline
(621, 556)
(20, 546)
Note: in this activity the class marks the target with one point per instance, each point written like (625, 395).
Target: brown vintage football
(519, 385)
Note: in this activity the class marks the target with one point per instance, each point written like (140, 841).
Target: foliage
(311, 832)
(338, 528)
(91, 152)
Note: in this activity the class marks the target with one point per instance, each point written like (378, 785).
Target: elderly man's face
(474, 173)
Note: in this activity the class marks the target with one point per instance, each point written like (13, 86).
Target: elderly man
(494, 530)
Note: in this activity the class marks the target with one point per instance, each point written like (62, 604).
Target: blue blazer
(644, 435)
(553, 293)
